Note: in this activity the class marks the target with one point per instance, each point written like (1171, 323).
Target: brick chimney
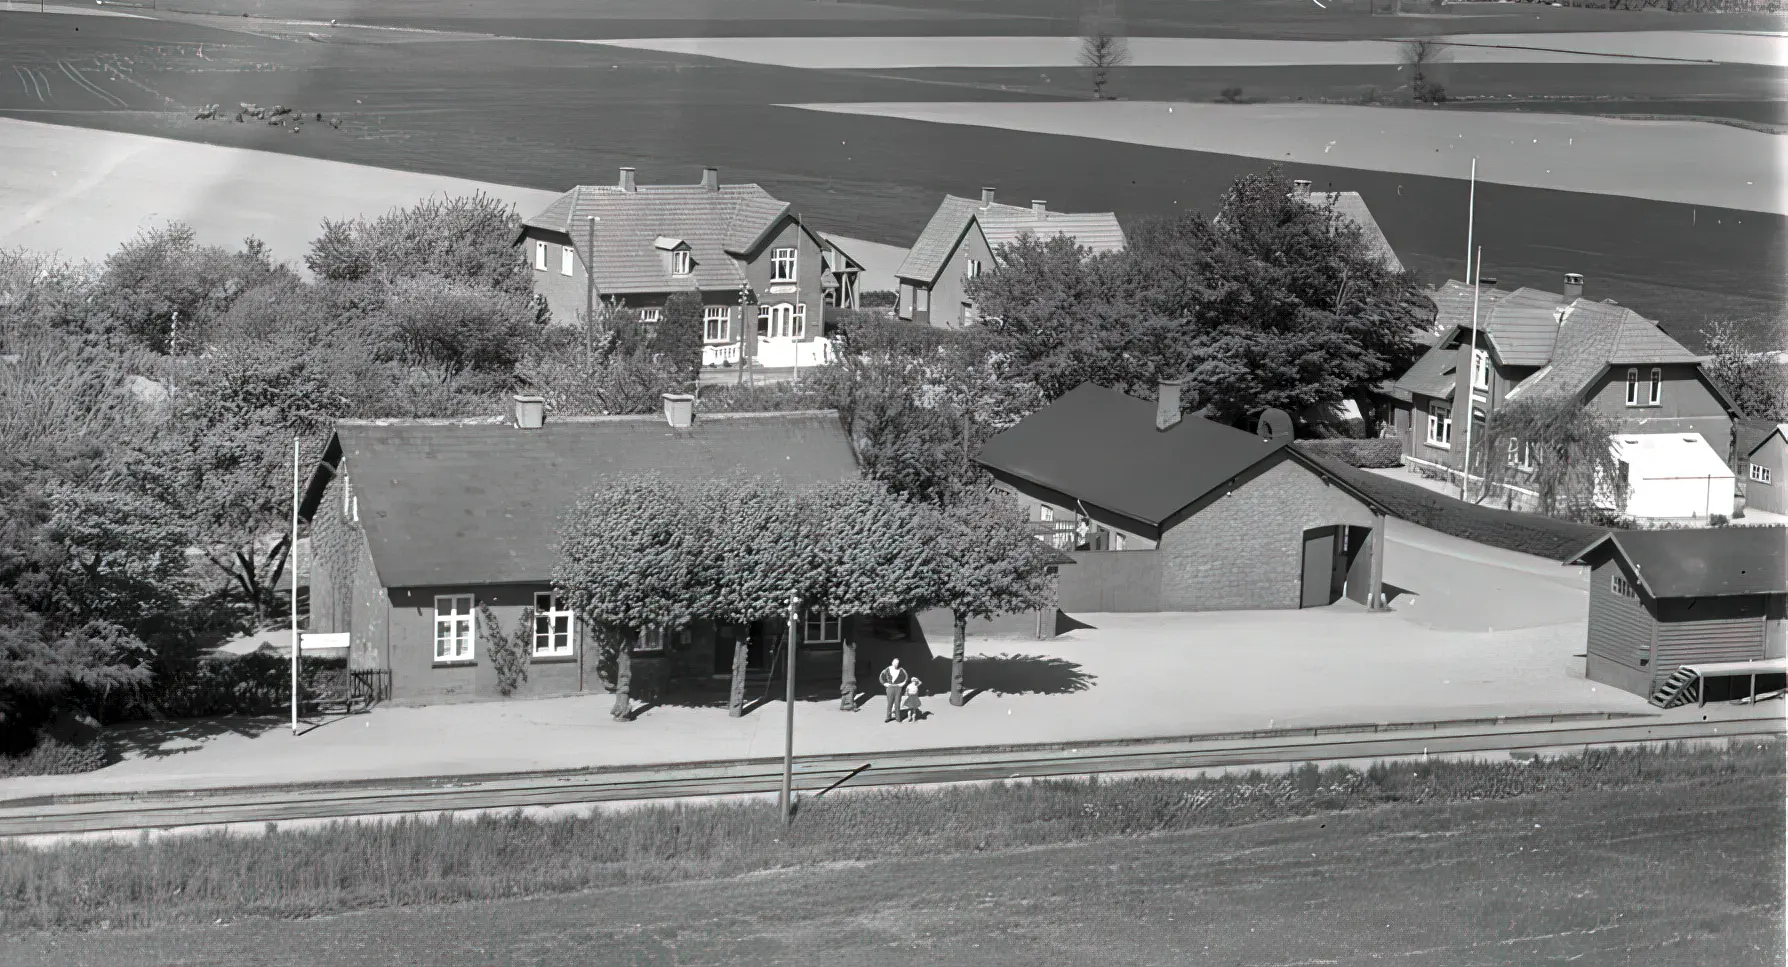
(1167, 404)
(711, 179)
(530, 412)
(1573, 287)
(679, 410)
(626, 182)
(1039, 207)
(986, 197)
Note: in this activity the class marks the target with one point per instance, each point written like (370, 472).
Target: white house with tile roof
(963, 239)
(1532, 343)
(732, 245)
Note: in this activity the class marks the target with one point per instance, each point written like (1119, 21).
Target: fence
(368, 686)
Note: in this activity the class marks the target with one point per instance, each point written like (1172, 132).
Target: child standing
(909, 703)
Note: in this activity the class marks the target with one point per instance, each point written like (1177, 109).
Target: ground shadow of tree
(150, 740)
(1010, 675)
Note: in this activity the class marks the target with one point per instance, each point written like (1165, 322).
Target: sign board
(321, 642)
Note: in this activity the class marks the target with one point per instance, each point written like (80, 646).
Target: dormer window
(682, 262)
(782, 265)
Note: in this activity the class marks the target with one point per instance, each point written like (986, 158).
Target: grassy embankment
(339, 867)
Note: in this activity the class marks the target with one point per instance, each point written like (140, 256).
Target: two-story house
(963, 239)
(743, 251)
(1533, 343)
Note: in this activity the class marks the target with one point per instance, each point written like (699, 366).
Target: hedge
(1371, 454)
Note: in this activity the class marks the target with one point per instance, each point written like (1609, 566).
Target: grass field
(548, 116)
(1640, 857)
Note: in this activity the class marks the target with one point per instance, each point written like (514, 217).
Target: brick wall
(416, 678)
(1244, 550)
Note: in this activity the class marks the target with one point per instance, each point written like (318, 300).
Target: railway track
(126, 811)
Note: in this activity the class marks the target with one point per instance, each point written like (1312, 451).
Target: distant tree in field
(637, 555)
(1102, 45)
(163, 290)
(991, 564)
(1420, 56)
(469, 239)
(1747, 361)
(1557, 448)
(677, 339)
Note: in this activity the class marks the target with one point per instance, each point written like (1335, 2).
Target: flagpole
(293, 559)
(1471, 393)
(1471, 216)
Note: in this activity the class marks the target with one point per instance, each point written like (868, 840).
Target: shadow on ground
(151, 740)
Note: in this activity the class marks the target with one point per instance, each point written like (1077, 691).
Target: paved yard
(1478, 632)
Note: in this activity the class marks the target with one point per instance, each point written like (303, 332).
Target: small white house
(1674, 476)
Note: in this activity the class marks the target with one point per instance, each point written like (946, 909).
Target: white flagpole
(1471, 215)
(292, 559)
(1471, 393)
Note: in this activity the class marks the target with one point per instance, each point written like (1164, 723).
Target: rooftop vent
(626, 182)
(711, 179)
(986, 197)
(1573, 289)
(1167, 404)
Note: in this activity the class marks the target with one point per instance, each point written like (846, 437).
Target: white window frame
(682, 262)
(651, 638)
(539, 256)
(1621, 586)
(800, 321)
(1657, 387)
(763, 322)
(1046, 514)
(1760, 473)
(921, 299)
(821, 627)
(567, 260)
(783, 320)
(717, 323)
(1632, 387)
(785, 265)
(1480, 369)
(650, 316)
(971, 269)
(1440, 425)
(555, 627)
(350, 501)
(456, 630)
(1520, 454)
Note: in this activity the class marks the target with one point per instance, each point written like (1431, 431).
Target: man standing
(894, 680)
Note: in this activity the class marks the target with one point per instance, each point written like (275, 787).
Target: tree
(991, 564)
(469, 239)
(677, 339)
(1102, 45)
(41, 670)
(1756, 381)
(1420, 56)
(577, 384)
(452, 327)
(1557, 448)
(163, 290)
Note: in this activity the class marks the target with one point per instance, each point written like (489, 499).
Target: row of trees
(649, 552)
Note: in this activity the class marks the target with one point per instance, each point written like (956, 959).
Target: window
(922, 299)
(350, 501)
(1632, 387)
(822, 627)
(1621, 587)
(540, 256)
(1046, 513)
(800, 330)
(650, 639)
(1657, 386)
(1480, 369)
(763, 321)
(682, 262)
(782, 265)
(453, 627)
(552, 624)
(717, 323)
(1760, 473)
(650, 316)
(971, 268)
(1520, 455)
(567, 260)
(1440, 425)
(782, 321)
(1117, 541)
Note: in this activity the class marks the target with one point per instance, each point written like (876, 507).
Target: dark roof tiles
(1000, 225)
(1702, 562)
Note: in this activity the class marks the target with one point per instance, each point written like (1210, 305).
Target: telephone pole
(590, 293)
(788, 746)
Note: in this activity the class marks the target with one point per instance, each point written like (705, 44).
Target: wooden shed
(1705, 597)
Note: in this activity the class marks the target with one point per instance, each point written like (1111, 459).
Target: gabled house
(1350, 207)
(1709, 598)
(764, 278)
(963, 239)
(1164, 512)
(1532, 343)
(1763, 466)
(420, 525)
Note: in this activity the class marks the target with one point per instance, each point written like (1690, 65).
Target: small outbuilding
(1674, 476)
(1667, 600)
(1164, 512)
(1763, 458)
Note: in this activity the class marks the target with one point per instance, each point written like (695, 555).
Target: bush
(879, 299)
(52, 758)
(254, 684)
(863, 332)
(1230, 95)
(1373, 454)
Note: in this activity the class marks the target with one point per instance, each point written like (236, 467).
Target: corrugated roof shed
(1001, 225)
(461, 503)
(1700, 562)
(719, 225)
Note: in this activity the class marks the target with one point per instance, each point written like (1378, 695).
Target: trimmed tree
(636, 555)
(1557, 448)
(990, 565)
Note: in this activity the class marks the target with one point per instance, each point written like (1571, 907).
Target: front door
(1319, 567)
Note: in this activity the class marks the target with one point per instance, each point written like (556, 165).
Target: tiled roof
(1001, 224)
(1594, 336)
(1349, 205)
(1435, 374)
(1700, 562)
(465, 503)
(1641, 341)
(717, 224)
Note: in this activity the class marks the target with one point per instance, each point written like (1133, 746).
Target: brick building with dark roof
(1169, 513)
(714, 240)
(963, 239)
(418, 525)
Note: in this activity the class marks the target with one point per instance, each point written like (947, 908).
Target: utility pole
(747, 319)
(1471, 393)
(1471, 213)
(590, 293)
(292, 558)
(788, 747)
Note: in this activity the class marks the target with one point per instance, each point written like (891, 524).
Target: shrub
(879, 299)
(862, 332)
(52, 758)
(1374, 454)
(1230, 95)
(254, 684)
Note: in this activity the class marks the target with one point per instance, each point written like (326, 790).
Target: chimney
(711, 179)
(986, 197)
(1573, 287)
(1039, 207)
(679, 410)
(530, 412)
(1489, 282)
(1167, 404)
(626, 183)
(1301, 187)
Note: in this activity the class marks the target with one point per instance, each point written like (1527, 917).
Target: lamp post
(292, 559)
(747, 325)
(788, 746)
(590, 291)
(1471, 215)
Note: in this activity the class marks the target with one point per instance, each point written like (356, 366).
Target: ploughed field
(548, 115)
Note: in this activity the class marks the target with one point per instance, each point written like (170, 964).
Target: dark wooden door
(1319, 567)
